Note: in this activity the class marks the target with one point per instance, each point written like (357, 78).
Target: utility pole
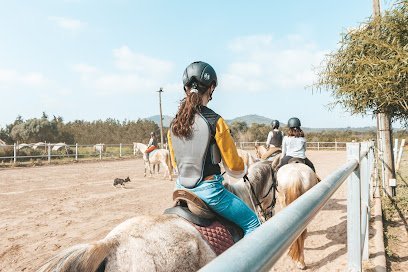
(161, 117)
(384, 139)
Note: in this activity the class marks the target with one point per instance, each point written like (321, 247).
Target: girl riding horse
(198, 138)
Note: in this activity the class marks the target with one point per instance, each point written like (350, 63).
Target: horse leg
(150, 168)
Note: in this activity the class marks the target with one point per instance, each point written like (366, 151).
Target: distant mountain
(250, 119)
(156, 118)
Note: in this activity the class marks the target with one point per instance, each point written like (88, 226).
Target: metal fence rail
(263, 248)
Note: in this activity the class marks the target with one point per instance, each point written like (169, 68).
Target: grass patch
(395, 217)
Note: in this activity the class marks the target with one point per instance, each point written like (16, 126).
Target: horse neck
(141, 147)
(240, 189)
(260, 178)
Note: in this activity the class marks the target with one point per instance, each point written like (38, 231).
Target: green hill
(250, 119)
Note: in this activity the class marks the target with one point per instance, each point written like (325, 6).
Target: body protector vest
(197, 156)
(276, 139)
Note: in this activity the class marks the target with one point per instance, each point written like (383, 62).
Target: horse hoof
(301, 265)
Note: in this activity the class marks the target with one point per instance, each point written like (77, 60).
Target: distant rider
(294, 144)
(274, 141)
(152, 145)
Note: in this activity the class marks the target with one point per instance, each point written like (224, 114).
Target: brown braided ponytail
(184, 120)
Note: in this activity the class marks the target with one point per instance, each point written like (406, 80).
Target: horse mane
(257, 174)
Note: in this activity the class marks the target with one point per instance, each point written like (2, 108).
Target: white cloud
(127, 60)
(264, 63)
(67, 23)
(132, 73)
(33, 79)
(84, 68)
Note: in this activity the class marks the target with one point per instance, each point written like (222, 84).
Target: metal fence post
(365, 197)
(76, 151)
(335, 145)
(100, 151)
(120, 150)
(15, 153)
(318, 146)
(49, 153)
(353, 211)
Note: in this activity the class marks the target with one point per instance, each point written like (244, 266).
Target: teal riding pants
(225, 203)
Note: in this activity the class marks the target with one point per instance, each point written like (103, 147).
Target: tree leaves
(369, 72)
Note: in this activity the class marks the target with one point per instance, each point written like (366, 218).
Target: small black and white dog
(121, 182)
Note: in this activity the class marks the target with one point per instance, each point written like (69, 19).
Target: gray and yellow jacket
(199, 156)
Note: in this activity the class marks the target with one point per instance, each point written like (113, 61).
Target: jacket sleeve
(269, 139)
(173, 159)
(233, 164)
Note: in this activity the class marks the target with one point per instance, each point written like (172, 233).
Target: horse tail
(292, 193)
(83, 257)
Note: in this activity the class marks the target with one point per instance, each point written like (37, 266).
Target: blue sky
(98, 59)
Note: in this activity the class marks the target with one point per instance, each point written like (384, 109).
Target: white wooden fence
(44, 151)
(334, 146)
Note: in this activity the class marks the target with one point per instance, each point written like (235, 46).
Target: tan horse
(156, 157)
(294, 179)
(158, 243)
(247, 157)
(260, 150)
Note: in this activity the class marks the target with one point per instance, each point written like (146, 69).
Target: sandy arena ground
(46, 209)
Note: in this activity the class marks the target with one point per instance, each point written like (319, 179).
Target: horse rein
(258, 203)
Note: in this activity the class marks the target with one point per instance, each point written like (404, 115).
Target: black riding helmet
(294, 122)
(275, 124)
(199, 75)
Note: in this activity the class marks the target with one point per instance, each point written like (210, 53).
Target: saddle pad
(153, 152)
(217, 236)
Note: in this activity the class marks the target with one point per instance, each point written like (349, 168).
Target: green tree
(35, 130)
(238, 129)
(258, 132)
(369, 72)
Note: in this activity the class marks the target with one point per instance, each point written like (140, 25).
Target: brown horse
(156, 157)
(159, 243)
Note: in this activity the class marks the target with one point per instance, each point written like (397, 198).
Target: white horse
(247, 157)
(294, 179)
(158, 243)
(156, 157)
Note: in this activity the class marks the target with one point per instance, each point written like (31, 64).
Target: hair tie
(193, 91)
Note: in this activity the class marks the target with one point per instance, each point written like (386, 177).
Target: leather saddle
(219, 232)
(271, 153)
